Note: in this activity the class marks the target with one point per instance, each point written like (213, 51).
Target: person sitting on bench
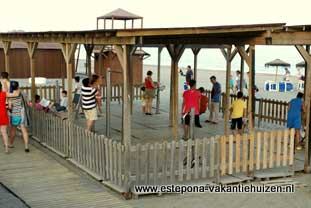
(62, 106)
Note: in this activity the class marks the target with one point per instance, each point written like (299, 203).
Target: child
(203, 101)
(143, 101)
(237, 113)
(62, 106)
(96, 82)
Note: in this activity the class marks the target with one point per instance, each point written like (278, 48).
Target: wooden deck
(41, 179)
(156, 128)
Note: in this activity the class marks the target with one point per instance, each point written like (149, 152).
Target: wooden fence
(266, 110)
(166, 162)
(47, 92)
(117, 92)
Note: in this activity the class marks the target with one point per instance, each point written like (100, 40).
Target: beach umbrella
(301, 64)
(277, 63)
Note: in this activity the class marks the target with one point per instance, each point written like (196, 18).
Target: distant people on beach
(188, 75)
(97, 82)
(255, 88)
(4, 119)
(286, 75)
(149, 92)
(232, 84)
(294, 117)
(19, 116)
(238, 82)
(77, 91)
(191, 100)
(88, 94)
(215, 100)
(238, 114)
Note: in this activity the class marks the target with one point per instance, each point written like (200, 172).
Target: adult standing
(238, 82)
(88, 94)
(215, 101)
(5, 81)
(4, 119)
(19, 116)
(149, 92)
(188, 75)
(191, 100)
(294, 117)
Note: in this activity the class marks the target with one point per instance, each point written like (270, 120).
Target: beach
(203, 81)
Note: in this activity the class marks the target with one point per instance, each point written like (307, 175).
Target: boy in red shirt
(203, 101)
(191, 100)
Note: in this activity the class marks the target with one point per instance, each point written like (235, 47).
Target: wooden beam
(233, 54)
(68, 50)
(158, 80)
(99, 38)
(307, 57)
(251, 88)
(195, 61)
(291, 38)
(89, 50)
(6, 49)
(123, 56)
(244, 54)
(175, 52)
(227, 98)
(224, 53)
(31, 47)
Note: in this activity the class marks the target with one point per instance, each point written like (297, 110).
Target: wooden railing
(117, 92)
(47, 92)
(266, 110)
(257, 151)
(121, 167)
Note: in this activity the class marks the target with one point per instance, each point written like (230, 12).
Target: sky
(43, 15)
(59, 15)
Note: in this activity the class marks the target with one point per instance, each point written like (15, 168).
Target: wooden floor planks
(42, 181)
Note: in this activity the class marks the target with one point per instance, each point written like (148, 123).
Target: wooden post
(108, 100)
(158, 80)
(195, 61)
(89, 50)
(31, 47)
(112, 23)
(132, 24)
(6, 49)
(123, 56)
(251, 91)
(242, 73)
(68, 50)
(131, 77)
(250, 61)
(175, 52)
(307, 57)
(104, 24)
(227, 55)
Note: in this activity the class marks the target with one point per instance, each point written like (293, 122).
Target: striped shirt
(16, 105)
(88, 97)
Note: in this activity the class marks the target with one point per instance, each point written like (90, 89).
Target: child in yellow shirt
(237, 113)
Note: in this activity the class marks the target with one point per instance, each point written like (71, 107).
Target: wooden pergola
(232, 40)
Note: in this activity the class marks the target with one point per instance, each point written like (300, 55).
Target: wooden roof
(23, 45)
(257, 34)
(120, 14)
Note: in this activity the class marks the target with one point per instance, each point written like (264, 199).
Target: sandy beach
(203, 81)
